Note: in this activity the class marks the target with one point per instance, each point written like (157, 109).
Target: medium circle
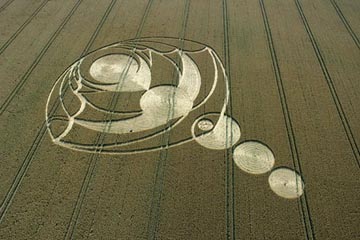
(205, 125)
(254, 157)
(286, 183)
(225, 134)
(111, 68)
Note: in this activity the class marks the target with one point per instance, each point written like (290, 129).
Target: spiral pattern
(254, 157)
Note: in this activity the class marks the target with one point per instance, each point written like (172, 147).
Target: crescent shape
(190, 79)
(160, 105)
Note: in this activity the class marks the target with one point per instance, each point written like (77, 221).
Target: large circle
(110, 68)
(286, 183)
(254, 157)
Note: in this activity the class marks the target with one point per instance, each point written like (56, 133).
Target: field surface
(125, 119)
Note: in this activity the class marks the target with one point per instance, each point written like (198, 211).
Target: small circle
(205, 125)
(110, 68)
(254, 157)
(286, 183)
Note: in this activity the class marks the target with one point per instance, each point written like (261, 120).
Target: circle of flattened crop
(286, 183)
(254, 157)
